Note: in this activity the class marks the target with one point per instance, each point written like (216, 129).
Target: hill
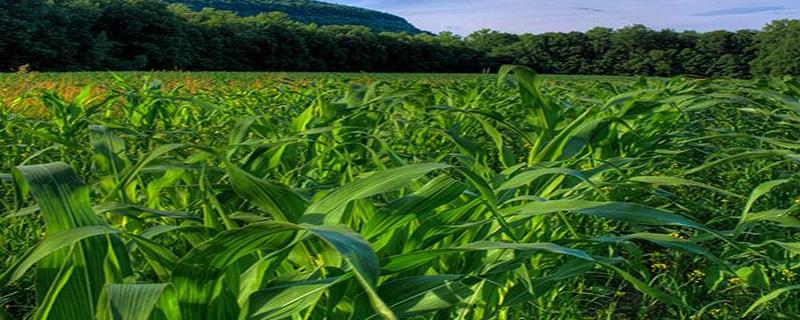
(310, 11)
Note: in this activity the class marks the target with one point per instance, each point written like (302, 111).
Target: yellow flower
(788, 275)
(735, 281)
(678, 235)
(696, 276)
(715, 312)
(659, 267)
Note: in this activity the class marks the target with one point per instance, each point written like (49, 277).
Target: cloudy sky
(519, 16)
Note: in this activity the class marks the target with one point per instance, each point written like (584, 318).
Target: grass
(307, 196)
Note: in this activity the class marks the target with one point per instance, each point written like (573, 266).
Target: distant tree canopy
(72, 35)
(633, 50)
(310, 11)
(778, 49)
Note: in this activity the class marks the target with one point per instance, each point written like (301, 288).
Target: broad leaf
(377, 183)
(621, 211)
(64, 202)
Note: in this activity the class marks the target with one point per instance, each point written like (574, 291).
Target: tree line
(76, 35)
(308, 11)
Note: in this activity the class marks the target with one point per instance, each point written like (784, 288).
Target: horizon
(538, 16)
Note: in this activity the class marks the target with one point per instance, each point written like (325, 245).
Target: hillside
(309, 11)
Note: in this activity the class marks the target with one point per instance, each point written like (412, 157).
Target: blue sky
(519, 16)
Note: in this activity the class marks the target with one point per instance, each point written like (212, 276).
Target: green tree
(778, 49)
(498, 46)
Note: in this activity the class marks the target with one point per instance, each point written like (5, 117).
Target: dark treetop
(310, 11)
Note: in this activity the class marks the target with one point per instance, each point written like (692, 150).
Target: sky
(537, 16)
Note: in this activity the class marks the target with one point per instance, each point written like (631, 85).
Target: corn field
(514, 197)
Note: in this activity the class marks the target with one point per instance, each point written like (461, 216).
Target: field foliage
(343, 197)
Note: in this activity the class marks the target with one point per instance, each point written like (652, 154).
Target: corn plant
(472, 199)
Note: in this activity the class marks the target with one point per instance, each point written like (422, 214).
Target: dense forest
(73, 35)
(310, 11)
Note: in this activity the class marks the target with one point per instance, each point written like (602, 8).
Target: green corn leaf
(280, 201)
(675, 181)
(129, 209)
(529, 176)
(620, 211)
(50, 245)
(240, 131)
(578, 135)
(646, 289)
(257, 276)
(572, 268)
(759, 191)
(504, 154)
(420, 295)
(759, 154)
(52, 295)
(361, 258)
(196, 273)
(29, 210)
(793, 247)
(64, 202)
(134, 302)
(380, 182)
(545, 113)
(158, 257)
(281, 302)
(769, 297)
(132, 171)
(782, 216)
(547, 247)
(437, 192)
(109, 150)
(667, 241)
(402, 262)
